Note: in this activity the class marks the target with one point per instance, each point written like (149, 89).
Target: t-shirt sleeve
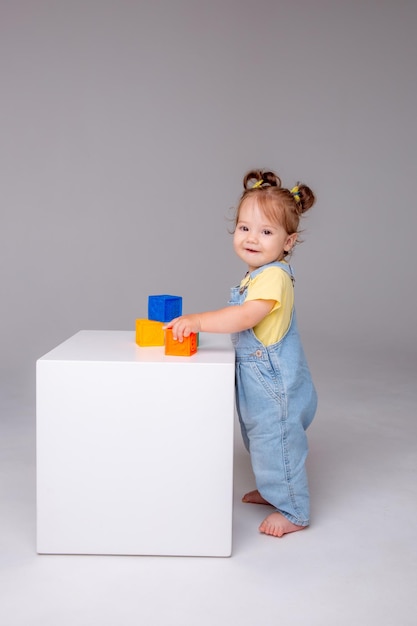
(268, 285)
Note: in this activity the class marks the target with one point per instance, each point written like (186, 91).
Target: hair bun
(260, 178)
(307, 197)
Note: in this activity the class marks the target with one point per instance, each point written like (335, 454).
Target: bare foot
(278, 525)
(254, 497)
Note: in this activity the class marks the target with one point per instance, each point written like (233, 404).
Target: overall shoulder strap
(285, 266)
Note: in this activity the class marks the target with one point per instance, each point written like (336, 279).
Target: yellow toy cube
(149, 333)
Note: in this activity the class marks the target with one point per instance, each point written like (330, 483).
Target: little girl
(275, 396)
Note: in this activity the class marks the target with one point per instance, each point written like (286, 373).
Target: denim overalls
(276, 402)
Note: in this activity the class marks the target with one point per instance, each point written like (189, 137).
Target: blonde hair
(280, 205)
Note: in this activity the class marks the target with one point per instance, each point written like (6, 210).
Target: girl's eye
(244, 228)
(267, 232)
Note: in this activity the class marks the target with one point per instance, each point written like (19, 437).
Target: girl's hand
(184, 325)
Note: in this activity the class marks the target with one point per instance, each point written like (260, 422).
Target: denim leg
(277, 442)
(245, 437)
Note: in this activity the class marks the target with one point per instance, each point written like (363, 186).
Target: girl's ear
(290, 242)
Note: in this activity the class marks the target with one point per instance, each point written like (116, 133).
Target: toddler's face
(257, 240)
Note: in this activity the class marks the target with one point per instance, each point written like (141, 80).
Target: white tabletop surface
(120, 345)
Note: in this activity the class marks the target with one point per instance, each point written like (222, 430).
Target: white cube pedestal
(135, 448)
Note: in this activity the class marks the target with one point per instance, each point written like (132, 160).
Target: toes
(250, 496)
(254, 497)
(277, 525)
(271, 529)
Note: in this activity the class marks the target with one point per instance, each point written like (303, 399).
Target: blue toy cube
(164, 308)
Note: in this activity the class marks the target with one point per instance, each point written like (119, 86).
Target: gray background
(126, 128)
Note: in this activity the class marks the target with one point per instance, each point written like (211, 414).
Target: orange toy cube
(149, 333)
(186, 347)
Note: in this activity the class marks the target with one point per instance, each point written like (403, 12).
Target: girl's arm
(231, 319)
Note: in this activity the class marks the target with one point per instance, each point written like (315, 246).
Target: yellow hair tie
(258, 184)
(296, 193)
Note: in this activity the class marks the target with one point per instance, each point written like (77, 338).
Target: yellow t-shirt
(273, 283)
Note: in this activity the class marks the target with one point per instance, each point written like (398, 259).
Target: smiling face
(258, 239)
